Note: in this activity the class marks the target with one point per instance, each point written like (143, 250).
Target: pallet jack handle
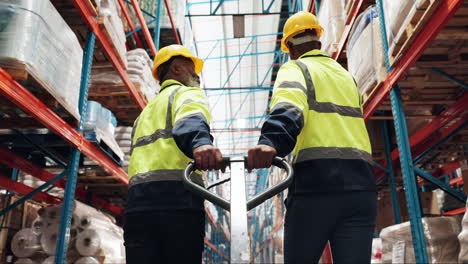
(252, 203)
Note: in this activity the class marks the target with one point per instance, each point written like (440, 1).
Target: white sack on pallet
(140, 71)
(34, 36)
(365, 51)
(441, 241)
(376, 255)
(25, 243)
(87, 260)
(332, 16)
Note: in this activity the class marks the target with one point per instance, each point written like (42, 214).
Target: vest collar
(170, 82)
(314, 53)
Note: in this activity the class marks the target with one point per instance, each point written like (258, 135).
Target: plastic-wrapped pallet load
(101, 122)
(34, 37)
(365, 51)
(441, 241)
(109, 11)
(332, 16)
(398, 15)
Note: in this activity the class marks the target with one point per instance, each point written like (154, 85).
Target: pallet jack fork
(238, 205)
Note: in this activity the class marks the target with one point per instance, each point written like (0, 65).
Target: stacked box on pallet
(365, 51)
(94, 237)
(109, 11)
(441, 241)
(139, 71)
(332, 16)
(34, 37)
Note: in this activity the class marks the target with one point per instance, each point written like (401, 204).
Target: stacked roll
(94, 237)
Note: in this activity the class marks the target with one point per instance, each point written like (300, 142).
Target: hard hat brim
(198, 63)
(319, 29)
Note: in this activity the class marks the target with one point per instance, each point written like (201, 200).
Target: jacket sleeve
(191, 120)
(289, 109)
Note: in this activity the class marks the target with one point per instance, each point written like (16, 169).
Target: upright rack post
(69, 195)
(391, 173)
(406, 160)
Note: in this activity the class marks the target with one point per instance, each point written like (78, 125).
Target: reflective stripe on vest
(332, 153)
(324, 107)
(321, 146)
(160, 133)
(162, 175)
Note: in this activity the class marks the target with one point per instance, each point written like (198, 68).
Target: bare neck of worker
(297, 51)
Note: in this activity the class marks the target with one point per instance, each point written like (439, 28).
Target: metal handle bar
(252, 203)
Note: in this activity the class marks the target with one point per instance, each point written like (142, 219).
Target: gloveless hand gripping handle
(252, 203)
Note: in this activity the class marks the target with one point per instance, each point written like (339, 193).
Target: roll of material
(92, 242)
(52, 215)
(86, 212)
(26, 261)
(49, 238)
(25, 243)
(87, 260)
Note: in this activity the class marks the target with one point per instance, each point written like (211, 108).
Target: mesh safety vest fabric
(155, 155)
(325, 94)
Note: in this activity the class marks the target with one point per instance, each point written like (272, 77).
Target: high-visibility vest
(326, 95)
(155, 155)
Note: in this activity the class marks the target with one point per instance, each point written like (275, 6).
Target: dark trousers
(164, 237)
(345, 219)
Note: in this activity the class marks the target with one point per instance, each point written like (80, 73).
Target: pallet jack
(238, 205)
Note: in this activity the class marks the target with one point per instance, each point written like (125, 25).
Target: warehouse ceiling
(238, 69)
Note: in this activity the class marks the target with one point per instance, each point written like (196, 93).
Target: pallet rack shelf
(30, 104)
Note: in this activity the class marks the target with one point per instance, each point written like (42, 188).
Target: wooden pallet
(368, 94)
(104, 147)
(13, 115)
(412, 25)
(117, 99)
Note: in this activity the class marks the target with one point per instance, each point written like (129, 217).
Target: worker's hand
(208, 157)
(260, 156)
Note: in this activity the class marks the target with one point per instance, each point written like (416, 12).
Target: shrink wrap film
(34, 37)
(364, 51)
(332, 16)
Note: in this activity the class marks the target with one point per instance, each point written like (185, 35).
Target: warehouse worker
(165, 223)
(316, 113)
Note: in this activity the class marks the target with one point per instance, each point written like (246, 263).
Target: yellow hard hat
(300, 21)
(170, 51)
